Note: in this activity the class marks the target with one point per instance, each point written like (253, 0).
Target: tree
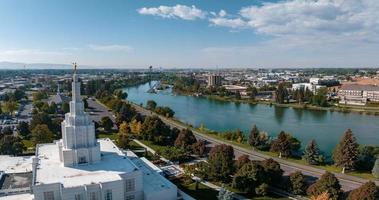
(272, 170)
(296, 183)
(23, 129)
(165, 111)
(281, 94)
(135, 127)
(254, 136)
(320, 98)
(85, 103)
(346, 153)
(375, 169)
(312, 154)
(19, 94)
(262, 189)
(252, 91)
(185, 138)
(52, 108)
(153, 129)
(327, 183)
(368, 191)
(225, 194)
(285, 145)
(366, 158)
(221, 163)
(122, 135)
(151, 105)
(322, 196)
(11, 145)
(248, 177)
(120, 94)
(122, 140)
(242, 160)
(106, 123)
(198, 148)
(65, 107)
(124, 128)
(41, 118)
(42, 134)
(10, 107)
(125, 113)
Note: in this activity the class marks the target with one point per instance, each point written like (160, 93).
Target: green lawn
(111, 136)
(204, 192)
(28, 144)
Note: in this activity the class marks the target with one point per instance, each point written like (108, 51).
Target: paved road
(347, 182)
(97, 110)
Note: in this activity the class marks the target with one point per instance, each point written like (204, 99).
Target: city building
(355, 94)
(59, 98)
(80, 167)
(214, 80)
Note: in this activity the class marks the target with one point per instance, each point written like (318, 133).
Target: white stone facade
(78, 145)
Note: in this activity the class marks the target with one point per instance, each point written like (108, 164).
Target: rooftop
(359, 87)
(152, 181)
(26, 196)
(51, 170)
(16, 180)
(10, 164)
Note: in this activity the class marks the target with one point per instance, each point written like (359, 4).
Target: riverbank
(364, 110)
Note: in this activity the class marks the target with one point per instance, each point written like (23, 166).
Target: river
(324, 126)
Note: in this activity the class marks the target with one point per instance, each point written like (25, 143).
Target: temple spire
(75, 86)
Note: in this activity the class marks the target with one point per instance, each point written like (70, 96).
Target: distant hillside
(15, 65)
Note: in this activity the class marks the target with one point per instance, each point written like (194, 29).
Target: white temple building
(80, 167)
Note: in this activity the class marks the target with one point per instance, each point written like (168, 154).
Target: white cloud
(232, 23)
(222, 13)
(357, 19)
(178, 11)
(113, 47)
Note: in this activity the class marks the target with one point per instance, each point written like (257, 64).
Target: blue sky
(211, 33)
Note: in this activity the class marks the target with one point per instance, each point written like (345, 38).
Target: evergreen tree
(65, 107)
(254, 136)
(296, 184)
(312, 153)
(281, 145)
(281, 94)
(327, 183)
(346, 153)
(375, 169)
(23, 129)
(106, 123)
(368, 191)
